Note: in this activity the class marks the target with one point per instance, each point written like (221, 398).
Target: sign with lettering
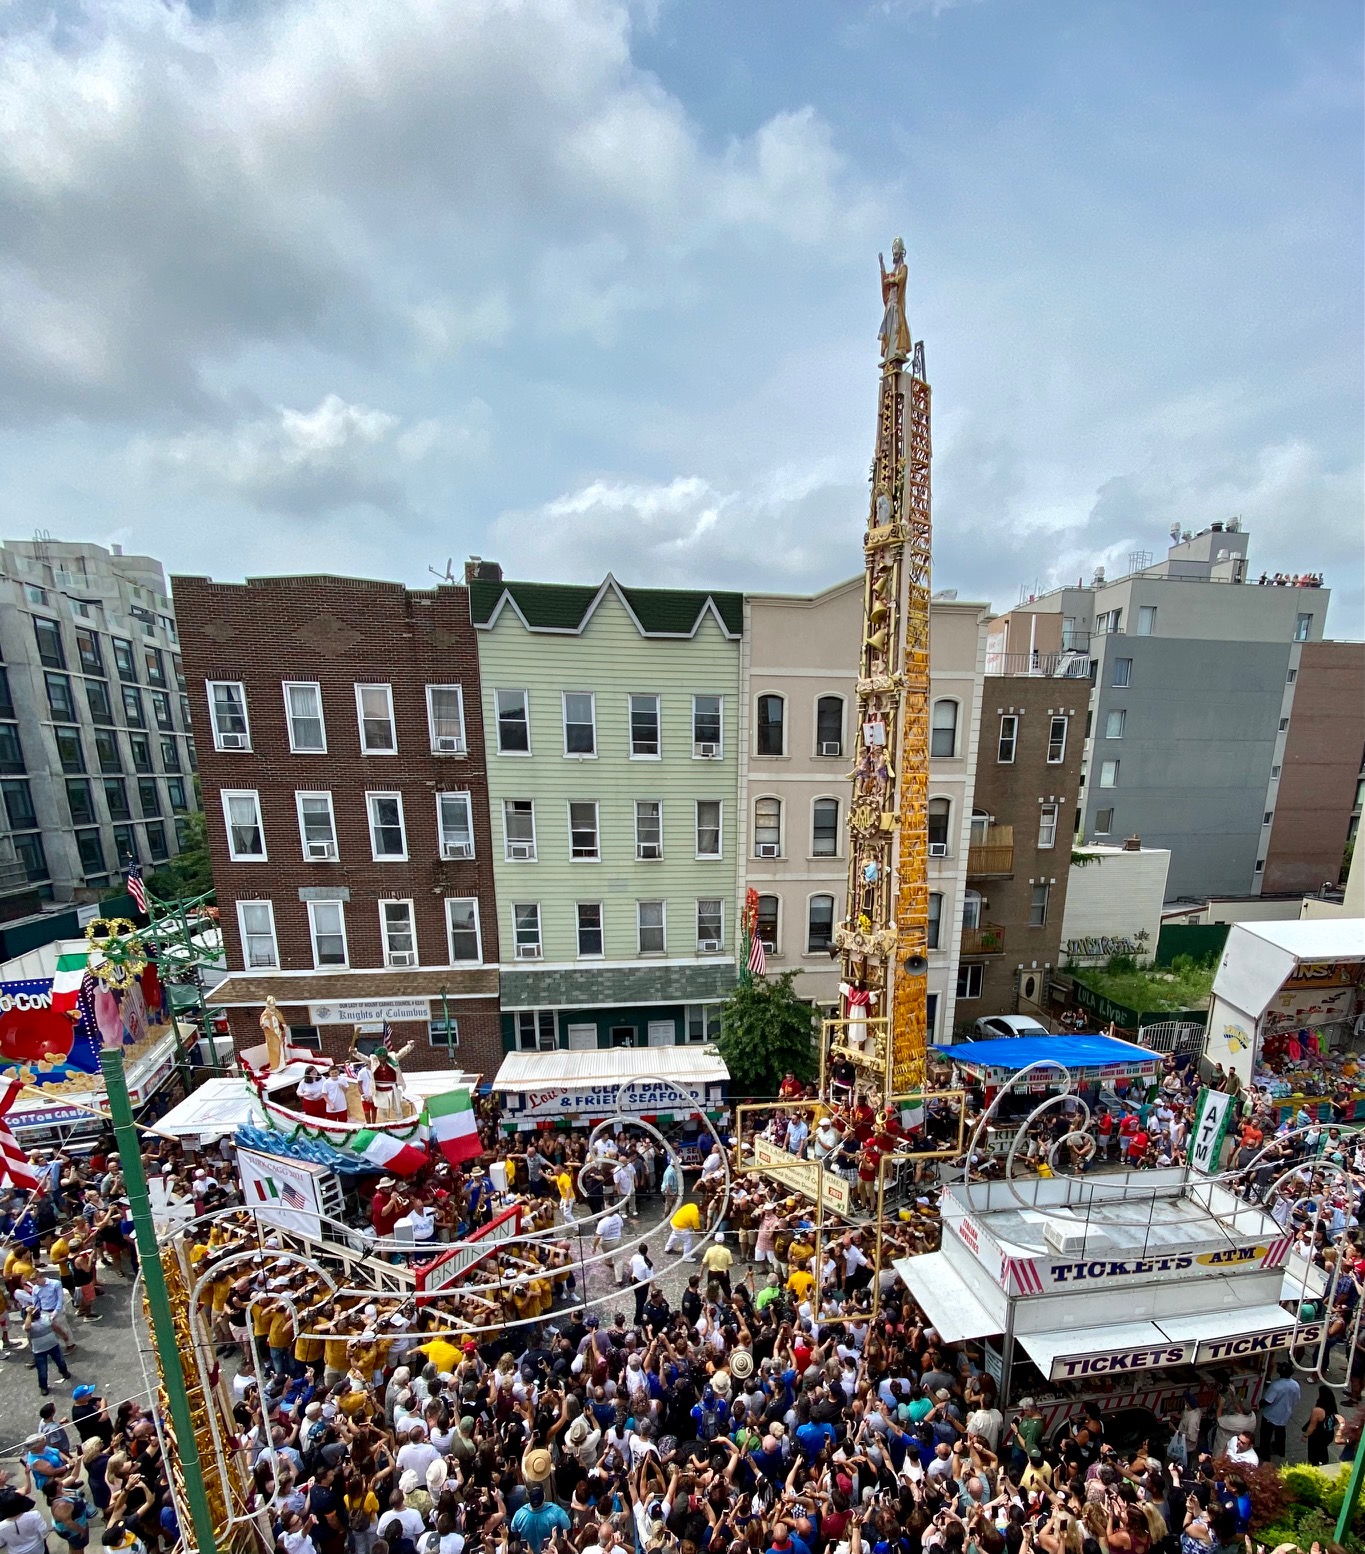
(1151, 1357)
(357, 1011)
(803, 1176)
(1118, 1268)
(632, 1097)
(1102, 946)
(477, 1246)
(1211, 1118)
(1220, 1350)
(32, 993)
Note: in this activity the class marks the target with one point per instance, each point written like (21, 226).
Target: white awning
(216, 1108)
(523, 1071)
(1225, 1324)
(948, 1302)
(1044, 1349)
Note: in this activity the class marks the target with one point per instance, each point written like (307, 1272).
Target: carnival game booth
(1120, 1291)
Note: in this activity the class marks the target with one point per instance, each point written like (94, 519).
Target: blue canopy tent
(1091, 1060)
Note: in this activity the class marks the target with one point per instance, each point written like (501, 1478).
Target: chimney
(477, 570)
(116, 550)
(1132, 844)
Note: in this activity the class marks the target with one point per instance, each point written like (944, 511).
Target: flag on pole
(387, 1153)
(757, 960)
(453, 1126)
(66, 979)
(136, 888)
(14, 1163)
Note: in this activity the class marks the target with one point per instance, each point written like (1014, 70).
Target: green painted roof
(673, 612)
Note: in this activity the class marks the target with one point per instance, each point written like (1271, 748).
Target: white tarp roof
(523, 1071)
(948, 1301)
(1258, 957)
(217, 1107)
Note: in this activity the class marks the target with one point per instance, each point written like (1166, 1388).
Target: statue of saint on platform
(895, 331)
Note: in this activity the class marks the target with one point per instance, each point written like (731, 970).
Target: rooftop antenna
(448, 575)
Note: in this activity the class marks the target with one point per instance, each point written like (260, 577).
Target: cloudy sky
(336, 285)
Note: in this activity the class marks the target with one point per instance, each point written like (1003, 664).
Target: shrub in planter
(1269, 1496)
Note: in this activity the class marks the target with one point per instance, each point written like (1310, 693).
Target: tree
(189, 873)
(765, 1032)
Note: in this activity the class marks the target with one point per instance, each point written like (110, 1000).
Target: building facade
(1027, 784)
(1192, 665)
(801, 656)
(346, 793)
(614, 726)
(96, 757)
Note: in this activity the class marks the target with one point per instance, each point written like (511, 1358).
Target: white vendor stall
(661, 1085)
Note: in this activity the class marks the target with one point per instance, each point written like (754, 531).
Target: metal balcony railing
(984, 939)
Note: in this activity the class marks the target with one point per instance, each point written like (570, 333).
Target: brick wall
(480, 1049)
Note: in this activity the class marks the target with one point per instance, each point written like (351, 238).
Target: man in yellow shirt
(442, 1353)
(684, 1226)
(800, 1281)
(716, 1260)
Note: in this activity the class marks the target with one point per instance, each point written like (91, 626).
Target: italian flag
(66, 980)
(387, 1153)
(451, 1120)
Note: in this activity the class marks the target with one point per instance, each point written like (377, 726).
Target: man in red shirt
(385, 1207)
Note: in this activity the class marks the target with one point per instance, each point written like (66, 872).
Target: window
(184, 712)
(1108, 620)
(443, 1031)
(97, 699)
(649, 829)
(1284, 724)
(445, 719)
(1260, 866)
(148, 797)
(1123, 673)
(1047, 826)
(12, 752)
(327, 929)
(1265, 819)
(1113, 723)
(829, 726)
(767, 828)
(88, 651)
(644, 727)
(462, 930)
(227, 714)
(6, 700)
(125, 845)
(81, 802)
(374, 708)
(156, 841)
(765, 925)
(1009, 739)
(34, 594)
(246, 837)
(526, 929)
(1303, 624)
(583, 841)
(29, 851)
(1146, 626)
(580, 723)
(935, 927)
(116, 798)
(399, 933)
(1109, 774)
(771, 719)
(710, 925)
(1291, 677)
(825, 828)
(317, 827)
(91, 850)
(1037, 907)
(156, 670)
(124, 661)
(388, 836)
(50, 652)
(943, 733)
(175, 791)
(170, 755)
(1104, 822)
(141, 747)
(1274, 771)
(1056, 741)
(971, 909)
(303, 714)
(969, 980)
(536, 1030)
(256, 924)
(707, 727)
(819, 924)
(514, 722)
(939, 813)
(649, 925)
(519, 830)
(455, 825)
(133, 714)
(590, 940)
(708, 828)
(70, 751)
(179, 670)
(703, 1023)
(59, 698)
(19, 805)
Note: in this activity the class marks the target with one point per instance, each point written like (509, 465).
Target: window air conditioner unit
(233, 742)
(402, 958)
(322, 850)
(528, 952)
(938, 849)
(650, 850)
(707, 946)
(708, 752)
(448, 744)
(523, 851)
(457, 849)
(831, 747)
(767, 849)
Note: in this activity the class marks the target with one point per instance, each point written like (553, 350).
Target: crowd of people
(1290, 580)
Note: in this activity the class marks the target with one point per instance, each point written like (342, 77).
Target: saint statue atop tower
(895, 331)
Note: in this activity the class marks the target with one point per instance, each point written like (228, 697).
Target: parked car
(991, 1026)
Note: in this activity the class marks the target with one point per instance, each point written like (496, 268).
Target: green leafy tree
(765, 1032)
(189, 873)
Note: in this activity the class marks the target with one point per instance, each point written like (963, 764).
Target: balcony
(991, 853)
(1069, 664)
(984, 939)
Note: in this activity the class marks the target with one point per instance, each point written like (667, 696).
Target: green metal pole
(450, 1040)
(1348, 1505)
(158, 1299)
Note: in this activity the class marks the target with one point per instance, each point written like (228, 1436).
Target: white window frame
(966, 970)
(956, 705)
(294, 747)
(698, 743)
(579, 755)
(1034, 903)
(384, 904)
(706, 1013)
(821, 895)
(462, 740)
(720, 830)
(1053, 720)
(775, 945)
(1048, 817)
(387, 688)
(1109, 829)
(639, 855)
(248, 964)
(1303, 626)
(662, 926)
(313, 935)
(933, 935)
(218, 735)
(765, 755)
(254, 795)
(300, 794)
(769, 798)
(947, 843)
(517, 947)
(1109, 774)
(473, 901)
(457, 795)
(537, 1019)
(1127, 681)
(720, 936)
(824, 798)
(1121, 713)
(512, 690)
(507, 840)
(579, 951)
(1146, 620)
(386, 793)
(1012, 718)
(631, 698)
(596, 855)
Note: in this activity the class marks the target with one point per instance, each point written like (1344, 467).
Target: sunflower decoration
(117, 956)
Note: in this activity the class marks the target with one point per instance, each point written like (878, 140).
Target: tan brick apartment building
(340, 733)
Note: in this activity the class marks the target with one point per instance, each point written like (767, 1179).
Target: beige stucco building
(800, 656)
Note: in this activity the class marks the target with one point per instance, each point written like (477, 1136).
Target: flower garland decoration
(123, 954)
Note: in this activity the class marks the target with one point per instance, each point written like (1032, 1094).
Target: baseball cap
(85, 1390)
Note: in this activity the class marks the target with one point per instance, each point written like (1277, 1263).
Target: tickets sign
(1161, 1356)
(1150, 1357)
(1250, 1345)
(1271, 1255)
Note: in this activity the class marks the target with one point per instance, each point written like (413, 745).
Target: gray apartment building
(1192, 662)
(96, 758)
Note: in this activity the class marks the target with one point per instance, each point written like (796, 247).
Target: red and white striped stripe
(14, 1163)
(1277, 1252)
(1022, 1276)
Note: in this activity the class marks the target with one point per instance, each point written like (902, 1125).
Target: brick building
(1028, 785)
(340, 733)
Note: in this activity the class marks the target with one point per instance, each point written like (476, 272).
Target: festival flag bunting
(387, 1153)
(66, 980)
(451, 1120)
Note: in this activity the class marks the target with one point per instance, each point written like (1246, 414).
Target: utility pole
(169, 1359)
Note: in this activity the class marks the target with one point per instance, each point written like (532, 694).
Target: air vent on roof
(1070, 1240)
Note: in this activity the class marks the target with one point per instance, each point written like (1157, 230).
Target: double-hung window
(767, 828)
(708, 828)
(583, 835)
(1056, 741)
(771, 730)
(943, 730)
(519, 830)
(1047, 826)
(526, 929)
(580, 723)
(462, 929)
(303, 713)
(590, 939)
(536, 1030)
(245, 834)
(650, 926)
(399, 932)
(1109, 774)
(819, 924)
(1114, 721)
(514, 722)
(1009, 738)
(1037, 911)
(374, 712)
(706, 728)
(445, 719)
(317, 827)
(710, 925)
(825, 828)
(388, 836)
(644, 728)
(649, 829)
(256, 923)
(455, 825)
(227, 714)
(829, 726)
(60, 701)
(327, 929)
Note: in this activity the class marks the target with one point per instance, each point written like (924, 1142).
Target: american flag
(386, 1036)
(757, 959)
(292, 1196)
(136, 889)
